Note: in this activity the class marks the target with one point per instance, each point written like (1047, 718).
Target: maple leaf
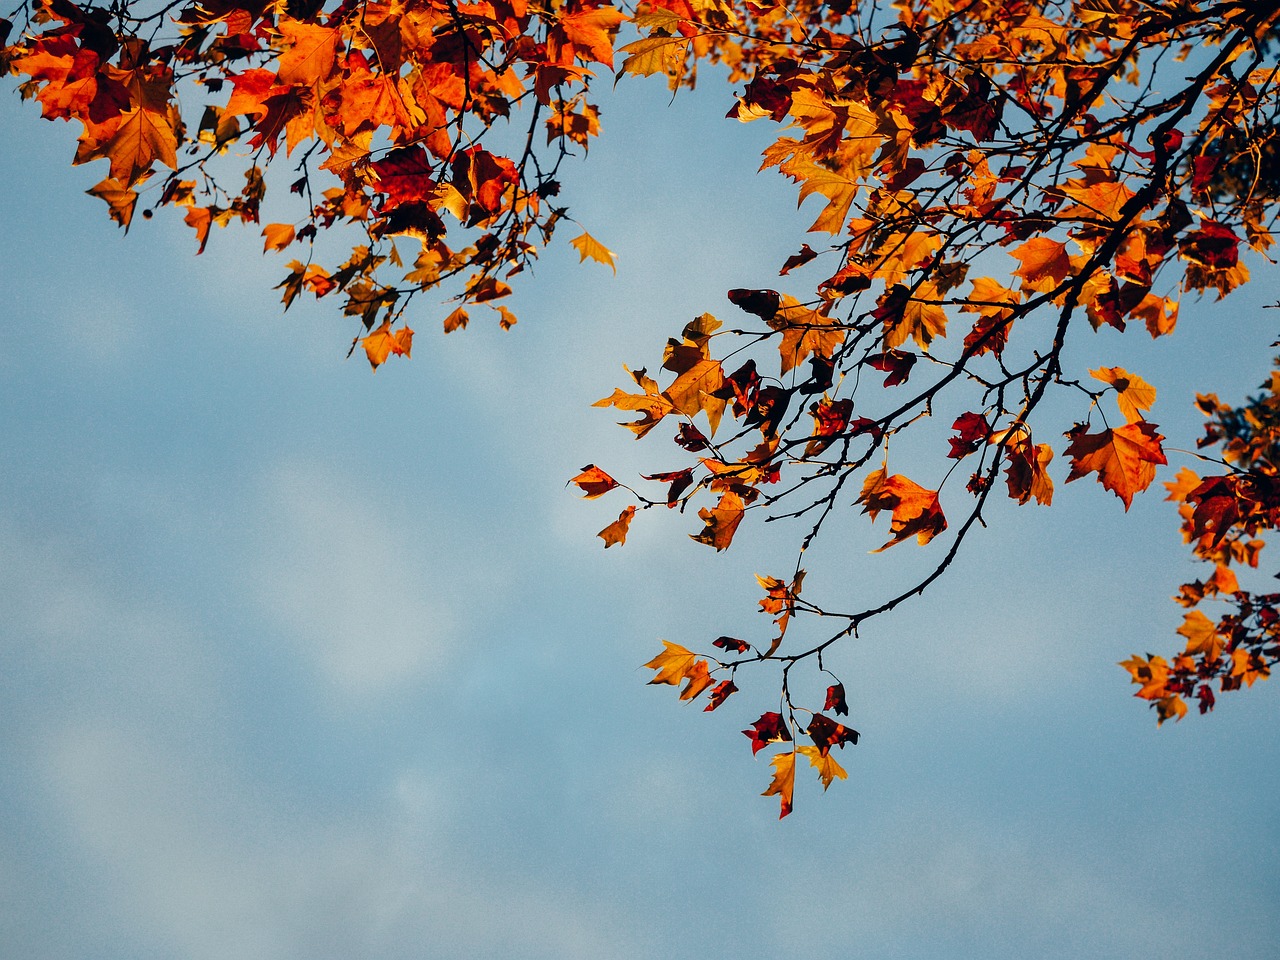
(1045, 263)
(594, 482)
(1133, 394)
(826, 733)
(731, 644)
(616, 532)
(835, 700)
(784, 781)
(591, 31)
(769, 728)
(719, 693)
(915, 510)
(676, 665)
(277, 236)
(381, 343)
(142, 137)
(1124, 458)
(1202, 636)
(1150, 673)
(680, 481)
(589, 246)
(120, 199)
(651, 403)
(310, 51)
(721, 521)
(826, 765)
(1027, 473)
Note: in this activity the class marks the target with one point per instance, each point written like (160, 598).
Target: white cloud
(334, 567)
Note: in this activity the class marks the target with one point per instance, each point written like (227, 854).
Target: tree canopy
(991, 180)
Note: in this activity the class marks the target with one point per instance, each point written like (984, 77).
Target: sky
(301, 662)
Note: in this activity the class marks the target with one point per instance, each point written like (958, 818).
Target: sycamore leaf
(311, 52)
(589, 246)
(915, 510)
(143, 137)
(1124, 458)
(120, 200)
(1045, 263)
(381, 343)
(784, 781)
(278, 236)
(721, 522)
(825, 764)
(594, 482)
(1133, 394)
(769, 728)
(676, 665)
(591, 31)
(1202, 636)
(616, 532)
(672, 664)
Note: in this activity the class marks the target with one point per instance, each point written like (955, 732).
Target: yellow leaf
(784, 781)
(1045, 263)
(589, 246)
(1133, 394)
(825, 764)
(673, 664)
(616, 532)
(1202, 635)
(278, 236)
(382, 343)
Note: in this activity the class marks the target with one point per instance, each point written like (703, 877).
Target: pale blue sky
(299, 662)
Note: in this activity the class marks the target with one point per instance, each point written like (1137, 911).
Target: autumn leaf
(769, 728)
(836, 701)
(826, 765)
(310, 51)
(591, 31)
(278, 236)
(1124, 458)
(784, 781)
(916, 511)
(719, 693)
(1202, 636)
(1133, 394)
(593, 482)
(143, 137)
(589, 246)
(721, 521)
(616, 532)
(120, 199)
(1045, 263)
(676, 665)
(381, 343)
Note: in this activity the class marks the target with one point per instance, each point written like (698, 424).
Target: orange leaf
(1202, 635)
(721, 522)
(382, 343)
(916, 511)
(1133, 394)
(278, 236)
(616, 532)
(594, 482)
(784, 780)
(592, 31)
(311, 52)
(1124, 458)
(1045, 263)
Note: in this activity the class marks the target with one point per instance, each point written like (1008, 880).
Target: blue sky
(299, 662)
